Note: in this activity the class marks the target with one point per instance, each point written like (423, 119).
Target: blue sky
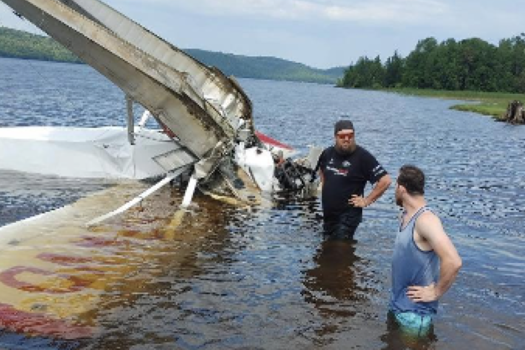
(319, 33)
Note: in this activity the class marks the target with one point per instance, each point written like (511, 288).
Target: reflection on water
(222, 277)
(82, 282)
(333, 276)
(147, 299)
(331, 286)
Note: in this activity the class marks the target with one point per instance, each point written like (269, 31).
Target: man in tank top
(345, 168)
(425, 262)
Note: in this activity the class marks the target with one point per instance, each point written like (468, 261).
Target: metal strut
(169, 177)
(131, 120)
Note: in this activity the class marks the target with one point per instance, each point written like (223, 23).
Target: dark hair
(412, 178)
(343, 125)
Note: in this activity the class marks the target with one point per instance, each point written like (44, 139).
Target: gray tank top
(412, 266)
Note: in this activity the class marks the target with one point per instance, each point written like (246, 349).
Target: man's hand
(378, 190)
(422, 294)
(358, 201)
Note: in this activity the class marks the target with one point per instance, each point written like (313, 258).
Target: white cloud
(362, 11)
(404, 11)
(316, 32)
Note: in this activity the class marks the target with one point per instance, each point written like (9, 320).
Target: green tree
(394, 70)
(366, 73)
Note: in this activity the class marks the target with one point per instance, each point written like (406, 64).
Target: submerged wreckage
(205, 115)
(58, 278)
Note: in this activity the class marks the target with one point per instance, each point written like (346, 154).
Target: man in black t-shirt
(345, 168)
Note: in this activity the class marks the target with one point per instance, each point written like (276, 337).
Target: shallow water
(263, 277)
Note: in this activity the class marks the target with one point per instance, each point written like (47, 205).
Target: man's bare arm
(430, 229)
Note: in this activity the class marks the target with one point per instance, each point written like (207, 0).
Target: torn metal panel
(173, 159)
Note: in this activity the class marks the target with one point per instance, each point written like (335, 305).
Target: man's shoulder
(364, 155)
(428, 216)
(328, 151)
(362, 151)
(429, 222)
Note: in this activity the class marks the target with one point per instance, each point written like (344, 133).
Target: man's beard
(343, 151)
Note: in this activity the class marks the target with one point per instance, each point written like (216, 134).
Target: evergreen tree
(394, 69)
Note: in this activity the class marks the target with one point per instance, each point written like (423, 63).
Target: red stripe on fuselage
(273, 142)
(9, 278)
(40, 324)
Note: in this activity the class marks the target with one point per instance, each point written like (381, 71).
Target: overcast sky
(319, 33)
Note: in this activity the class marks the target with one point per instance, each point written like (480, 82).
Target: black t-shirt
(344, 176)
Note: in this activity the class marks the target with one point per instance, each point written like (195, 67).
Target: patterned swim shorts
(413, 323)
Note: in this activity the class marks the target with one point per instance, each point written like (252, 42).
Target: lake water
(263, 278)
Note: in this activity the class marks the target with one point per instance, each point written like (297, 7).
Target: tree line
(470, 64)
(20, 44)
(271, 68)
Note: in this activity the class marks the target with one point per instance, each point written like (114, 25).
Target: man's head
(344, 136)
(411, 182)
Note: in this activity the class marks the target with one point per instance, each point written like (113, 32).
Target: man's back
(412, 266)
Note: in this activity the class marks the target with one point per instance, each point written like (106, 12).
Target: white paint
(188, 195)
(83, 152)
(259, 164)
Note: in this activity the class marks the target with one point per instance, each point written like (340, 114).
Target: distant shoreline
(23, 45)
(493, 104)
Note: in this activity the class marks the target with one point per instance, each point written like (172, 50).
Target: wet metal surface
(224, 277)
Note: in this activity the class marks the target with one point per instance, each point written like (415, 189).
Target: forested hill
(470, 64)
(20, 44)
(265, 67)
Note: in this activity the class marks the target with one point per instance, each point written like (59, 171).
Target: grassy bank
(489, 103)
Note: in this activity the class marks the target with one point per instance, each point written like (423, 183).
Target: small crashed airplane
(54, 271)
(205, 116)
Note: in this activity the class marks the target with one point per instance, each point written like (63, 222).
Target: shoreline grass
(493, 104)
